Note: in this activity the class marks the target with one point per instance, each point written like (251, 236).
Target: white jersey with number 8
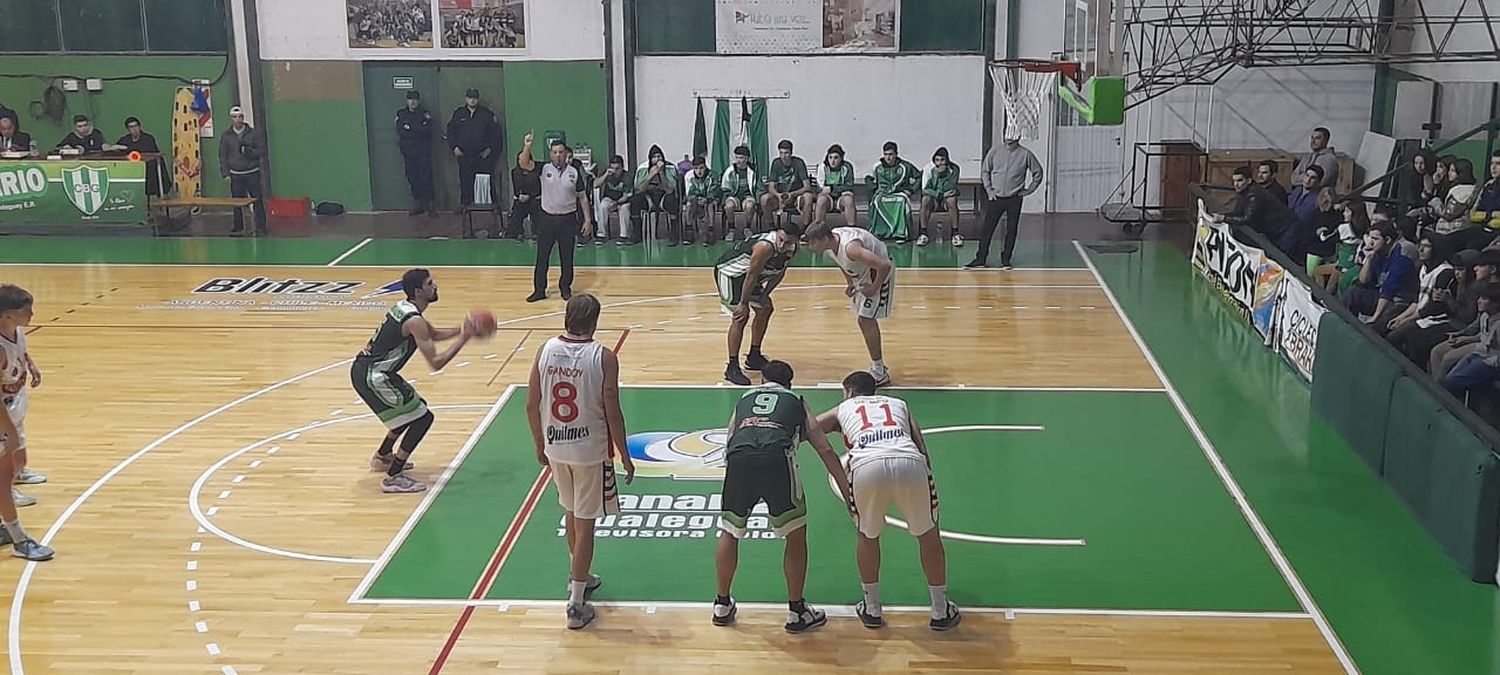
(876, 426)
(573, 423)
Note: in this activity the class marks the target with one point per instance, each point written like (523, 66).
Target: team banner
(805, 26)
(1243, 273)
(91, 191)
(1297, 317)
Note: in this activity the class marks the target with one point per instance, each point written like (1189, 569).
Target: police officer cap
(413, 95)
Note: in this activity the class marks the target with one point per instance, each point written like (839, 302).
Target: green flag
(722, 131)
(700, 131)
(758, 136)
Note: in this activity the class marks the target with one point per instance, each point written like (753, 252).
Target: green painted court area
(1117, 470)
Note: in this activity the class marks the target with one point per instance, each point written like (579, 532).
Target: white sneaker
(22, 500)
(580, 615)
(29, 477)
(958, 241)
(922, 240)
(882, 376)
(400, 484)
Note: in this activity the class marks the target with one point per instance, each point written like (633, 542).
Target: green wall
(317, 137)
(566, 96)
(23, 78)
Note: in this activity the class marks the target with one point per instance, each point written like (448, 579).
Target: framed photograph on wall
(483, 24)
(389, 24)
(859, 26)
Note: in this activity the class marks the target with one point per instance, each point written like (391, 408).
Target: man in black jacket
(1256, 209)
(240, 151)
(474, 136)
(85, 137)
(526, 184)
(414, 136)
(13, 139)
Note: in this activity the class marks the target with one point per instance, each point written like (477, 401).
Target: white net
(1024, 92)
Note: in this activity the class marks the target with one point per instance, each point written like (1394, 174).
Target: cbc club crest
(679, 455)
(87, 187)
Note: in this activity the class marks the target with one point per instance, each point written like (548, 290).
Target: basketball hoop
(1024, 85)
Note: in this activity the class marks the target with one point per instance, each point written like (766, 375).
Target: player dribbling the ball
(376, 375)
(871, 278)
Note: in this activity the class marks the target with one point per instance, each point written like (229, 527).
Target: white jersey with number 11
(876, 426)
(572, 378)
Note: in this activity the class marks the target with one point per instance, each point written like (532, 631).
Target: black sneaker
(755, 361)
(724, 614)
(734, 375)
(949, 621)
(975, 265)
(871, 621)
(536, 297)
(1007, 266)
(805, 620)
(567, 295)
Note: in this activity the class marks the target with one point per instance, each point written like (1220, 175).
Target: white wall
(312, 30)
(859, 102)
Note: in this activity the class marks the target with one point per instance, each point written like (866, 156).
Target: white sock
(872, 598)
(939, 600)
(575, 591)
(17, 533)
(877, 364)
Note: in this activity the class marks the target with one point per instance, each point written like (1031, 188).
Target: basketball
(483, 322)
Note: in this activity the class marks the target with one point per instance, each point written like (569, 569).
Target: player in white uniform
(888, 464)
(871, 278)
(573, 403)
(17, 373)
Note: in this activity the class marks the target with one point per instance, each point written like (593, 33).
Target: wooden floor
(190, 543)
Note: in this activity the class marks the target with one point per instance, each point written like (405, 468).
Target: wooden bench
(169, 203)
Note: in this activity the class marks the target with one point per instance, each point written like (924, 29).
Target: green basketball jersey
(736, 261)
(389, 350)
(768, 420)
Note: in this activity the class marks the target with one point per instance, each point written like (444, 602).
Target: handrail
(1492, 125)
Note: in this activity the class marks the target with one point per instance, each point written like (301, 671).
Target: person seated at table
(13, 139)
(85, 137)
(137, 140)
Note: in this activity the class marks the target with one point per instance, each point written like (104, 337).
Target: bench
(197, 203)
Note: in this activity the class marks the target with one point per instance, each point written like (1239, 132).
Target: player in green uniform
(788, 186)
(835, 184)
(745, 276)
(376, 375)
(939, 195)
(892, 184)
(702, 196)
(768, 425)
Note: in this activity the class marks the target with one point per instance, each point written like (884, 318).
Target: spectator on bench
(1319, 240)
(655, 188)
(1487, 207)
(939, 195)
(835, 183)
(1427, 332)
(740, 190)
(702, 196)
(614, 196)
(526, 184)
(1482, 366)
(788, 185)
(1387, 283)
(1449, 352)
(1449, 212)
(1303, 202)
(1434, 274)
(1265, 177)
(1257, 210)
(1322, 156)
(1336, 276)
(893, 182)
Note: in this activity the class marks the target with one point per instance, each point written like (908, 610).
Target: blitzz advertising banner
(1243, 273)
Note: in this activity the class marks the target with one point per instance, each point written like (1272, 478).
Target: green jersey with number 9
(768, 421)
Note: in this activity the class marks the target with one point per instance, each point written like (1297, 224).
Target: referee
(564, 200)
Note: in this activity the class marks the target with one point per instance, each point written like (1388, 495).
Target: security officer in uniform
(414, 131)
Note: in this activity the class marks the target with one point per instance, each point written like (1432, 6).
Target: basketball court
(212, 508)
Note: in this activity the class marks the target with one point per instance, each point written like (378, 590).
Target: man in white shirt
(888, 465)
(573, 404)
(564, 199)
